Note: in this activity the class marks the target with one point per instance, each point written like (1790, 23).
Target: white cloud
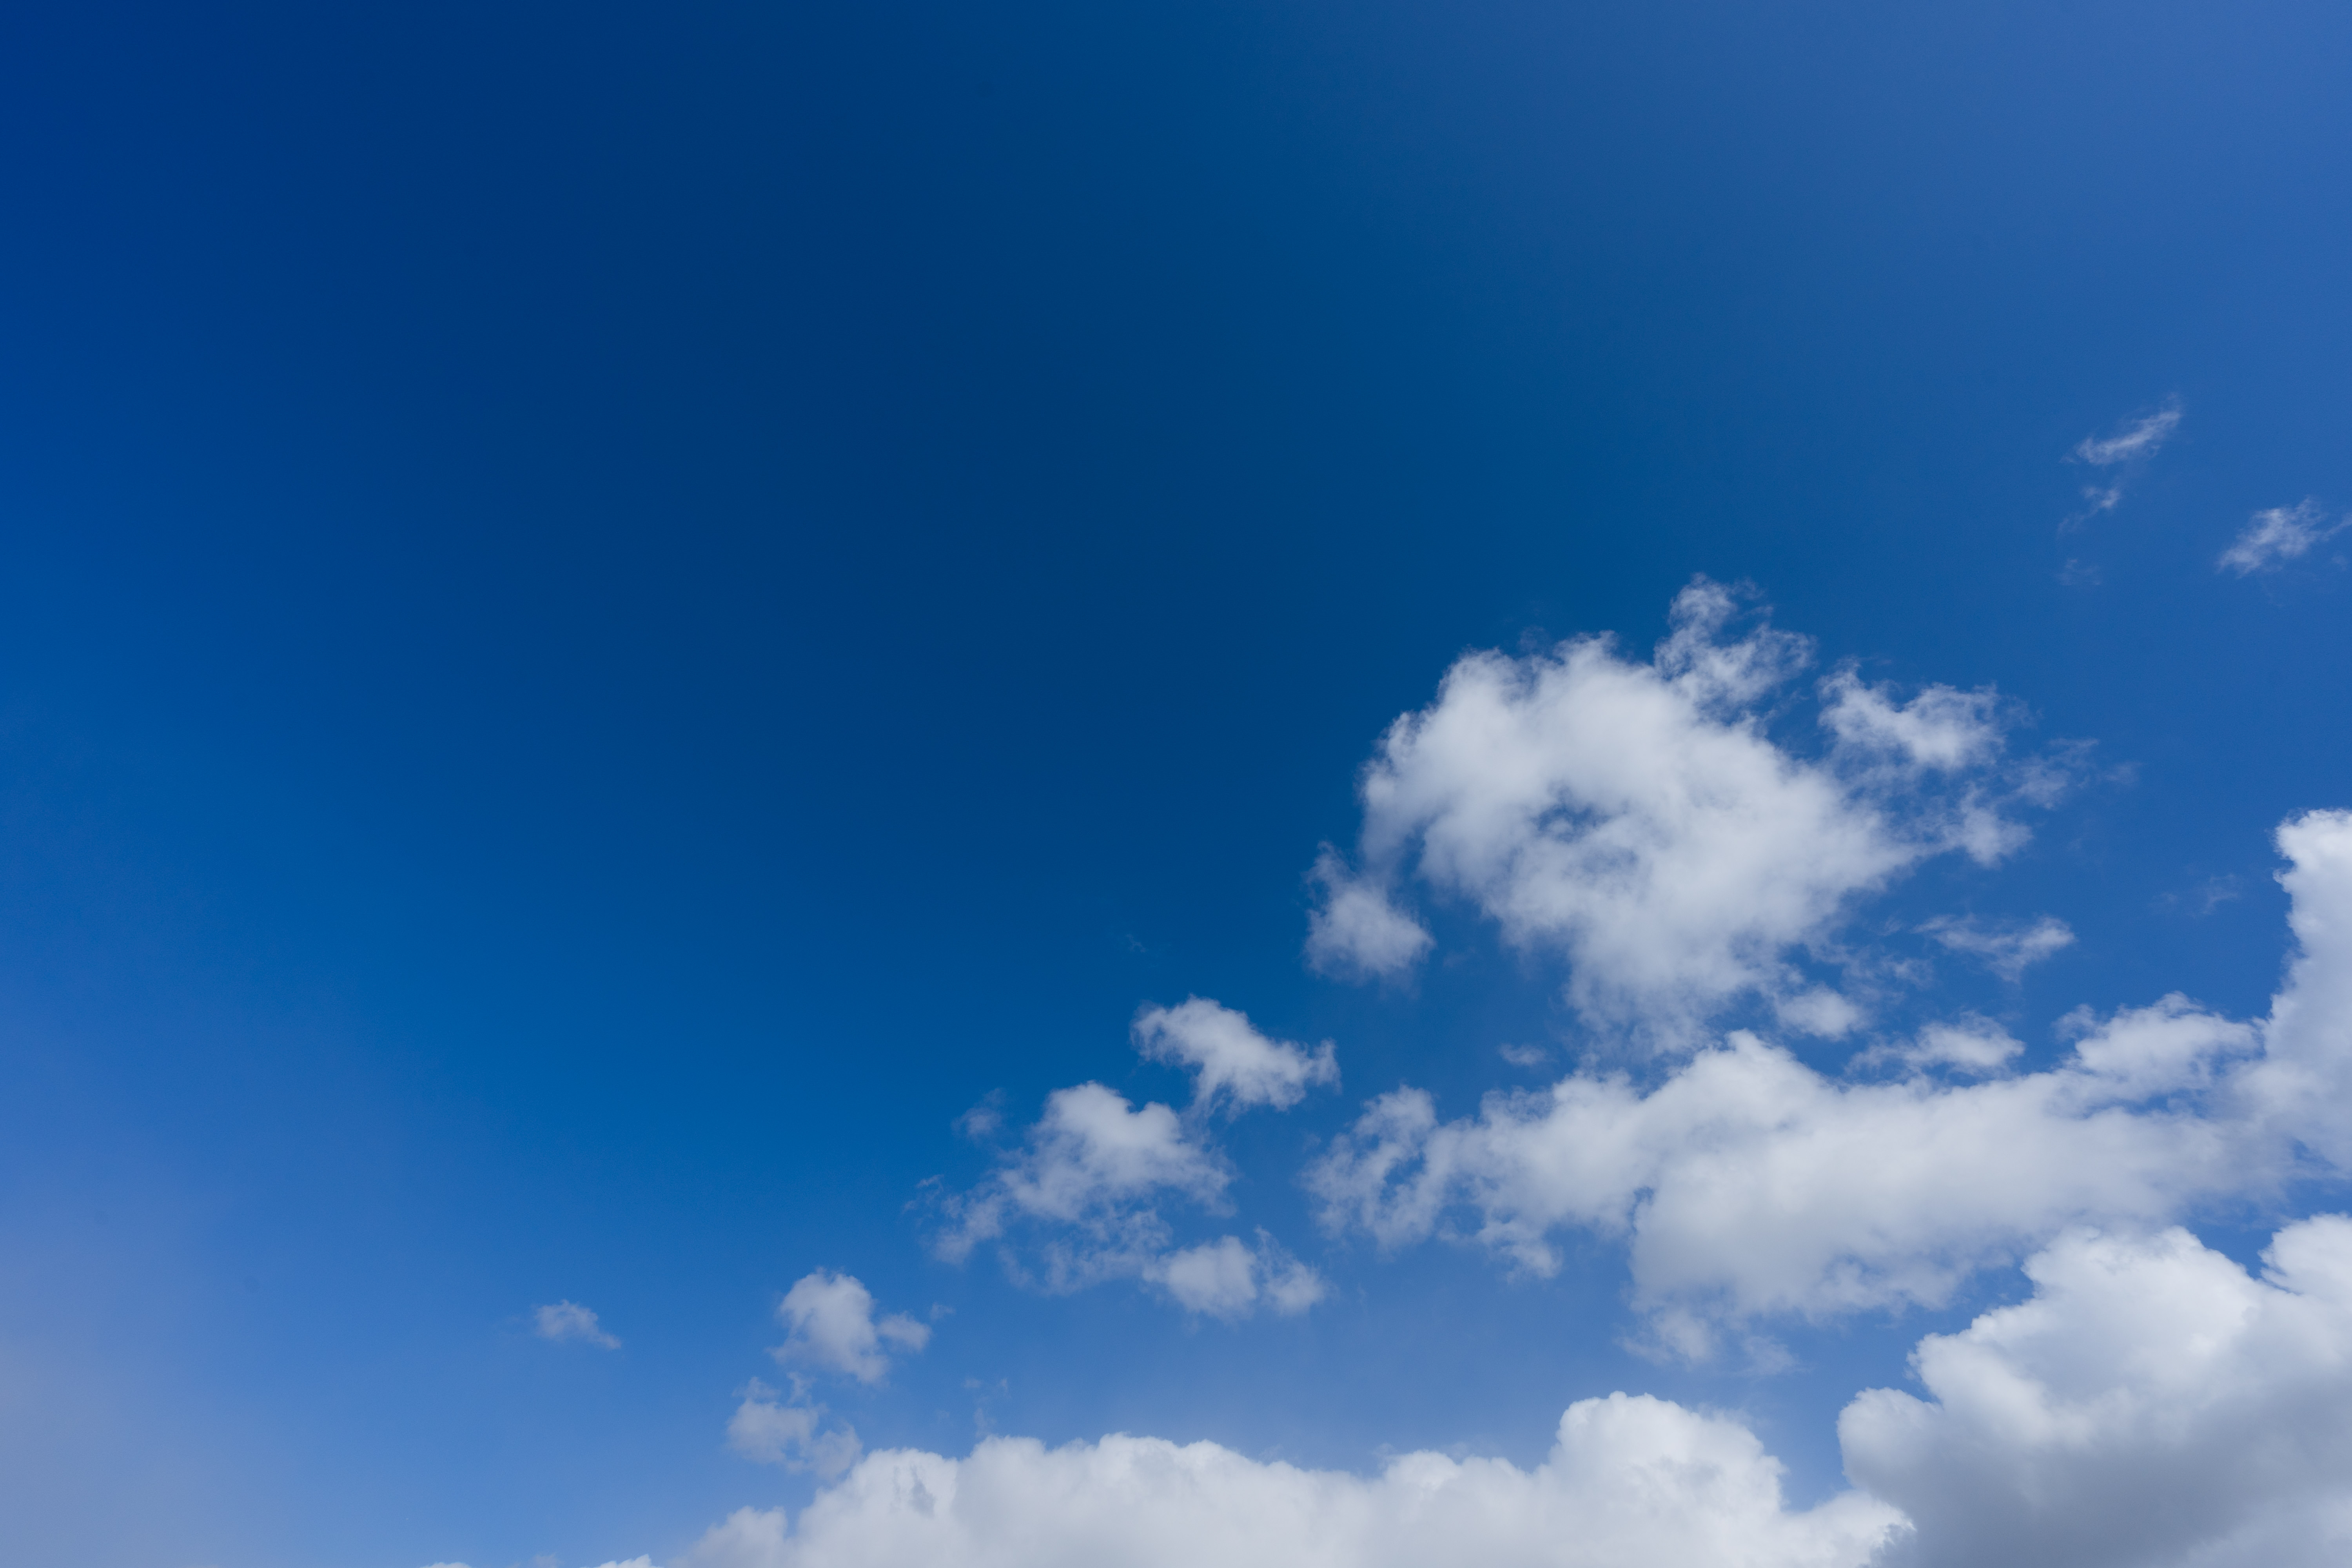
(1225, 1279)
(2138, 439)
(2128, 447)
(2152, 1406)
(2009, 952)
(1358, 931)
(1083, 1193)
(2273, 537)
(1748, 1182)
(568, 1322)
(1231, 1061)
(2303, 1086)
(1630, 1480)
(773, 1432)
(833, 1325)
(1638, 820)
(1090, 1175)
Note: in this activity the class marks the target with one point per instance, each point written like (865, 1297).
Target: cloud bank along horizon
(1777, 1120)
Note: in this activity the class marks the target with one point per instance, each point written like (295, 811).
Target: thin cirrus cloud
(568, 1322)
(1635, 819)
(2008, 950)
(2277, 535)
(1084, 1196)
(2132, 445)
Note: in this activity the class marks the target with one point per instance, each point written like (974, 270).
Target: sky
(796, 786)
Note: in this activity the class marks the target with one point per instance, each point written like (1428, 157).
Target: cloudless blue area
(613, 613)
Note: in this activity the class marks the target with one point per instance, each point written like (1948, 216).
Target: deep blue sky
(614, 614)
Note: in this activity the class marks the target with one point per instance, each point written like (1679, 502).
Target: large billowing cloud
(1638, 820)
(1749, 1183)
(2152, 1406)
(1632, 1480)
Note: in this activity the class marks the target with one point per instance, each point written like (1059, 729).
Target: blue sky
(630, 634)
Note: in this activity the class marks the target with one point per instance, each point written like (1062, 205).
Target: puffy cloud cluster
(1638, 820)
(1632, 1480)
(2152, 1405)
(1749, 1183)
(1086, 1186)
(833, 1328)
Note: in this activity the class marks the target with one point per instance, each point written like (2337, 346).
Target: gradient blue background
(611, 614)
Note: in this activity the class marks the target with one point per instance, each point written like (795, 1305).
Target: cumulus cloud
(568, 1322)
(1631, 1479)
(2302, 1088)
(1090, 1175)
(833, 1325)
(1638, 820)
(2153, 1405)
(1358, 931)
(2273, 537)
(1084, 1192)
(1748, 1182)
(1232, 1063)
(1227, 1279)
(2008, 950)
(769, 1430)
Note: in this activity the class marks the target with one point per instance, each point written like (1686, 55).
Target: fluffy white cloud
(1083, 1192)
(1227, 1279)
(771, 1431)
(2152, 1406)
(1356, 931)
(1233, 1064)
(1749, 1183)
(2009, 952)
(1637, 820)
(833, 1325)
(2277, 535)
(1632, 1480)
(568, 1322)
(2303, 1086)
(1089, 1176)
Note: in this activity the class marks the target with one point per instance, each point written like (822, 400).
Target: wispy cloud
(2126, 450)
(568, 1322)
(2141, 439)
(2007, 952)
(2277, 535)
